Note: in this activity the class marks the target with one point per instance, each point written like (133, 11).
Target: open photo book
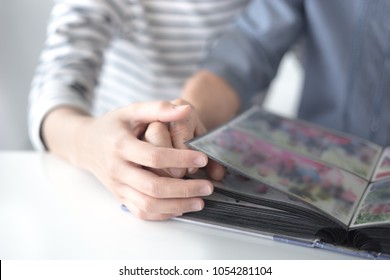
(299, 183)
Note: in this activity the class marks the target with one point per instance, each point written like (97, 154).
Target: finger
(184, 130)
(158, 135)
(128, 206)
(181, 131)
(168, 172)
(152, 185)
(148, 112)
(146, 154)
(147, 216)
(200, 129)
(160, 172)
(142, 203)
(215, 170)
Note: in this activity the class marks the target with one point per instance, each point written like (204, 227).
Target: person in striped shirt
(104, 65)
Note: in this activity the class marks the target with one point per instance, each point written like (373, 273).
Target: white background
(22, 32)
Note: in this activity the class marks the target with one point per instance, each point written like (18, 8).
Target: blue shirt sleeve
(247, 56)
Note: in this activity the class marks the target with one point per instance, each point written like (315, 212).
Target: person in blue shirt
(346, 59)
(346, 47)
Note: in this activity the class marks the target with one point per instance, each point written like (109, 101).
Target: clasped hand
(138, 152)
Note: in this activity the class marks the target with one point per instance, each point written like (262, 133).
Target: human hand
(111, 149)
(174, 135)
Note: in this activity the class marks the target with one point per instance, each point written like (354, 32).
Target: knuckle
(140, 214)
(162, 105)
(113, 170)
(115, 189)
(156, 126)
(181, 101)
(186, 192)
(176, 208)
(149, 135)
(148, 205)
(153, 189)
(153, 131)
(154, 159)
(119, 142)
(181, 135)
(182, 130)
(180, 127)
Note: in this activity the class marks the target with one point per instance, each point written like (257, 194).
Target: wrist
(81, 141)
(212, 97)
(63, 131)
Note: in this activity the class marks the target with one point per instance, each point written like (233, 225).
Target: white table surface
(51, 210)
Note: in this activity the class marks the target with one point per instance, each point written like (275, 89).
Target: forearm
(244, 60)
(62, 132)
(213, 98)
(69, 78)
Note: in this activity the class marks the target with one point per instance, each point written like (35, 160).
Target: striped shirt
(102, 54)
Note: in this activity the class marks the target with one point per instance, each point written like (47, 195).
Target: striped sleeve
(102, 54)
(78, 33)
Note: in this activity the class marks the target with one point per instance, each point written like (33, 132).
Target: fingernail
(196, 206)
(175, 172)
(200, 161)
(181, 107)
(192, 170)
(205, 190)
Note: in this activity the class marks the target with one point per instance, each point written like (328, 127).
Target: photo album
(300, 183)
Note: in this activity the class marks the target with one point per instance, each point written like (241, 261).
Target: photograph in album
(288, 178)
